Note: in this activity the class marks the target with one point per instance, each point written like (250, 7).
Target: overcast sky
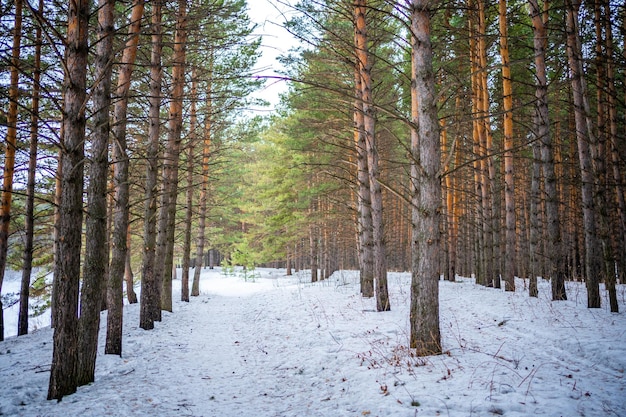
(270, 15)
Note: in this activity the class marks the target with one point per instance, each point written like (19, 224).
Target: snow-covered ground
(280, 346)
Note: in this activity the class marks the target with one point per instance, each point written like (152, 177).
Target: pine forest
(424, 165)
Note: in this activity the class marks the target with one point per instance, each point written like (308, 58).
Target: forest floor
(281, 346)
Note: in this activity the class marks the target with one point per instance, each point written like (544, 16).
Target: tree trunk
(150, 307)
(58, 192)
(369, 124)
(556, 255)
(313, 247)
(484, 168)
(486, 162)
(167, 220)
(509, 186)
(535, 229)
(455, 208)
(9, 156)
(288, 263)
(585, 136)
(193, 126)
(620, 220)
(477, 129)
(131, 295)
(364, 222)
(96, 218)
(206, 153)
(22, 326)
(119, 246)
(600, 155)
(63, 378)
(448, 197)
(425, 188)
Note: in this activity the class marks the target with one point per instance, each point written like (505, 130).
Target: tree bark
(131, 295)
(63, 378)
(9, 156)
(193, 126)
(535, 229)
(600, 155)
(206, 153)
(369, 125)
(585, 137)
(425, 187)
(510, 261)
(556, 256)
(620, 219)
(364, 222)
(22, 326)
(96, 219)
(167, 220)
(477, 129)
(150, 308)
(487, 172)
(119, 246)
(313, 247)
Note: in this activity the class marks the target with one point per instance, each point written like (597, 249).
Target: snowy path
(283, 347)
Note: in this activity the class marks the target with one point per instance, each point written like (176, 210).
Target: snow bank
(280, 346)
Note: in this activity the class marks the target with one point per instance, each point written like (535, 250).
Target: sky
(269, 16)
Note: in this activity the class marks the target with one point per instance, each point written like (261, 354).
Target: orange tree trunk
(9, 157)
(509, 186)
(119, 246)
(22, 327)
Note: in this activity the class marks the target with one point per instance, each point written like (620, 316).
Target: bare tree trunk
(119, 245)
(131, 295)
(600, 154)
(585, 136)
(96, 219)
(487, 172)
(477, 129)
(313, 247)
(535, 230)
(364, 222)
(22, 326)
(167, 220)
(9, 156)
(107, 242)
(448, 197)
(58, 192)
(193, 126)
(63, 371)
(620, 220)
(455, 190)
(556, 255)
(150, 307)
(425, 188)
(510, 259)
(206, 153)
(289, 263)
(369, 124)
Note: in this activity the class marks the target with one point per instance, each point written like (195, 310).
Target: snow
(281, 346)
